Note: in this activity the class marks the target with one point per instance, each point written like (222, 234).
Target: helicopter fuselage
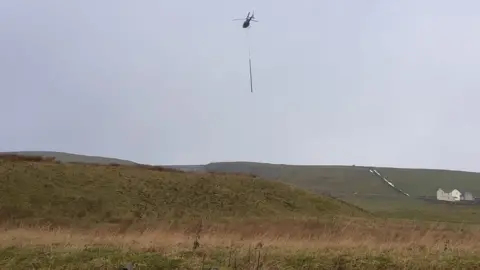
(246, 24)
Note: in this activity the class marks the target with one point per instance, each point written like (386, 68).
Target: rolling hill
(353, 184)
(356, 185)
(73, 193)
(357, 179)
(338, 180)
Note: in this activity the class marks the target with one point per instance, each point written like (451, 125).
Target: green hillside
(356, 179)
(337, 180)
(81, 194)
(358, 186)
(425, 182)
(353, 184)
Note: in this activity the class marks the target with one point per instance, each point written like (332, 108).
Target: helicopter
(249, 18)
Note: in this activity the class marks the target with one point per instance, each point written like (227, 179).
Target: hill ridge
(357, 186)
(319, 178)
(60, 155)
(43, 190)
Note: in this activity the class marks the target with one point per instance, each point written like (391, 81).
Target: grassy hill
(356, 185)
(350, 179)
(425, 182)
(337, 180)
(353, 184)
(63, 193)
(330, 179)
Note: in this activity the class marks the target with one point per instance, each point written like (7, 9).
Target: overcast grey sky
(385, 83)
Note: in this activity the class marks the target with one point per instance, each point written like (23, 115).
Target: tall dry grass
(285, 234)
(291, 244)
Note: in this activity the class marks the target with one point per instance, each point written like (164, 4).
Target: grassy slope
(372, 193)
(424, 182)
(349, 179)
(343, 181)
(335, 179)
(63, 193)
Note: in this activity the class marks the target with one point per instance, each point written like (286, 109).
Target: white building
(453, 196)
(468, 196)
(457, 195)
(444, 196)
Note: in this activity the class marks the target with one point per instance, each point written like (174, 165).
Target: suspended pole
(250, 66)
(250, 62)
(251, 81)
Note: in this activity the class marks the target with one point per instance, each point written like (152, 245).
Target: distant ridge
(68, 157)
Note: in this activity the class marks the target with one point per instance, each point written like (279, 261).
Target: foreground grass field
(313, 244)
(80, 216)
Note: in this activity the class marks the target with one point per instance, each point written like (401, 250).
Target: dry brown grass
(164, 239)
(280, 245)
(286, 234)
